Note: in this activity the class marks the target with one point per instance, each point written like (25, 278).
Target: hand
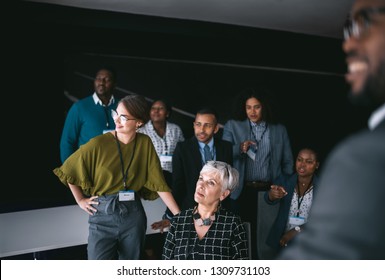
(161, 225)
(86, 204)
(287, 236)
(277, 192)
(245, 145)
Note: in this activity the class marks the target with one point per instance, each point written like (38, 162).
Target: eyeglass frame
(353, 28)
(122, 118)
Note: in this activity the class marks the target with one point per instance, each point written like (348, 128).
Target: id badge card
(296, 221)
(126, 195)
(251, 154)
(165, 158)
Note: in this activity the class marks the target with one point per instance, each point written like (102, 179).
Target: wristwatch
(297, 229)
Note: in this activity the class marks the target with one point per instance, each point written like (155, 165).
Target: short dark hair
(311, 149)
(208, 111)
(114, 75)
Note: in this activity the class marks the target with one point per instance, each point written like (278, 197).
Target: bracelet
(166, 217)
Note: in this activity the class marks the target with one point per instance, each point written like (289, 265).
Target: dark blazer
(347, 215)
(279, 226)
(187, 164)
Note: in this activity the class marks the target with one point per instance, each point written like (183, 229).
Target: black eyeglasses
(122, 118)
(358, 24)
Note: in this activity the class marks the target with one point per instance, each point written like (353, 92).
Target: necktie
(208, 155)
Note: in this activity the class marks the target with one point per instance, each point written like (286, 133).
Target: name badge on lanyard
(165, 158)
(128, 195)
(251, 154)
(296, 221)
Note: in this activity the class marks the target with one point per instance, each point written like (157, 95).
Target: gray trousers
(117, 230)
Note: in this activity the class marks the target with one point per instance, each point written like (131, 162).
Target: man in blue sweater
(90, 116)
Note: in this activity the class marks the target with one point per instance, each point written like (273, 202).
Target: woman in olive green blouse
(107, 177)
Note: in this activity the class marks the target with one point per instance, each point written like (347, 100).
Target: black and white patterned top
(304, 209)
(225, 239)
(164, 146)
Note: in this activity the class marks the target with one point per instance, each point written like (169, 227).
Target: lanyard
(255, 136)
(300, 199)
(124, 173)
(163, 138)
(165, 145)
(106, 110)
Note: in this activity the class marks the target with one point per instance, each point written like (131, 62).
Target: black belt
(258, 185)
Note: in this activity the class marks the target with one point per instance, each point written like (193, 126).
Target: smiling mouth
(356, 69)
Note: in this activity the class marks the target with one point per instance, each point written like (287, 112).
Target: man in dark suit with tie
(346, 219)
(189, 156)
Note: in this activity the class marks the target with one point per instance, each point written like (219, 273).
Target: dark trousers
(117, 230)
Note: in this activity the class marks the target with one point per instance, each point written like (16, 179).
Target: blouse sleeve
(74, 170)
(239, 242)
(169, 245)
(155, 181)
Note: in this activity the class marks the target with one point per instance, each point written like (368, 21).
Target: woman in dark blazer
(294, 194)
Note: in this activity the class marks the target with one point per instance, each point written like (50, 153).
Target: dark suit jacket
(187, 164)
(347, 220)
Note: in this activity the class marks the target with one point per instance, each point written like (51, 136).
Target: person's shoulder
(145, 128)
(277, 125)
(173, 126)
(229, 215)
(85, 101)
(222, 142)
(188, 142)
(103, 137)
(364, 141)
(233, 122)
(98, 141)
(143, 137)
(316, 179)
(182, 215)
(278, 129)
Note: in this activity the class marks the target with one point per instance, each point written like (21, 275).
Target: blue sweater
(85, 120)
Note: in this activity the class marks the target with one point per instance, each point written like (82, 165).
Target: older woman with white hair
(208, 231)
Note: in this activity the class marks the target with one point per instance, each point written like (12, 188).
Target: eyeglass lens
(357, 24)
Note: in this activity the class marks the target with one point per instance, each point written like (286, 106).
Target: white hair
(228, 175)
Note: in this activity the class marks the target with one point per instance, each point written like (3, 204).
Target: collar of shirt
(210, 144)
(261, 124)
(376, 117)
(98, 101)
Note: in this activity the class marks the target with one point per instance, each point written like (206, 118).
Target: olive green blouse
(96, 167)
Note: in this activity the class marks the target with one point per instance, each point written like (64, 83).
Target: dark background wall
(53, 49)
